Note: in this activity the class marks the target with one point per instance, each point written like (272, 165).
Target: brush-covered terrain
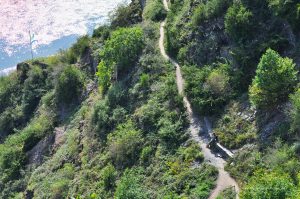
(104, 119)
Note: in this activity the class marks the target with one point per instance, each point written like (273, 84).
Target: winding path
(196, 125)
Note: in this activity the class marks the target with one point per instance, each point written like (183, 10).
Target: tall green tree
(120, 52)
(275, 79)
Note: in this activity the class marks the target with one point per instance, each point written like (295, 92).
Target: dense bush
(211, 9)
(208, 89)
(170, 132)
(102, 32)
(124, 46)
(116, 95)
(9, 91)
(126, 15)
(288, 9)
(228, 193)
(155, 11)
(101, 118)
(12, 159)
(275, 79)
(70, 86)
(34, 89)
(109, 177)
(10, 119)
(80, 47)
(269, 185)
(130, 187)
(125, 145)
(120, 52)
(239, 22)
(12, 151)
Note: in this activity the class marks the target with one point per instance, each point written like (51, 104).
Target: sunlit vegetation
(104, 119)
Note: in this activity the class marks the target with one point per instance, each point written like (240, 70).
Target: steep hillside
(104, 119)
(121, 133)
(241, 61)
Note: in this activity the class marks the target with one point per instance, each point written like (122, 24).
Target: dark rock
(22, 69)
(36, 154)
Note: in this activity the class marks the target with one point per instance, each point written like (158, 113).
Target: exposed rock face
(87, 62)
(45, 147)
(143, 3)
(58, 136)
(36, 154)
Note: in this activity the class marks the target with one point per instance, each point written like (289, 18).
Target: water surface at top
(55, 24)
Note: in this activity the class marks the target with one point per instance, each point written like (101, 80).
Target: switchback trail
(196, 125)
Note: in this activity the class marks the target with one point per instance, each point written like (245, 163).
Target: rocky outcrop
(36, 155)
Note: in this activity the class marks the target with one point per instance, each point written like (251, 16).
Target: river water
(52, 24)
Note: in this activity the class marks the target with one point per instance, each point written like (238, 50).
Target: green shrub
(12, 159)
(100, 118)
(126, 15)
(10, 119)
(208, 89)
(211, 9)
(191, 153)
(191, 182)
(145, 80)
(60, 182)
(146, 153)
(275, 79)
(218, 82)
(148, 115)
(288, 9)
(104, 74)
(120, 52)
(155, 11)
(70, 86)
(269, 185)
(170, 132)
(239, 22)
(34, 89)
(116, 95)
(109, 177)
(124, 46)
(80, 47)
(125, 145)
(102, 32)
(10, 91)
(130, 187)
(119, 115)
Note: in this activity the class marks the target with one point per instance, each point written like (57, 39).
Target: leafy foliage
(269, 185)
(275, 79)
(130, 187)
(125, 145)
(119, 53)
(126, 15)
(70, 86)
(154, 11)
(209, 89)
(209, 10)
(288, 9)
(239, 22)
